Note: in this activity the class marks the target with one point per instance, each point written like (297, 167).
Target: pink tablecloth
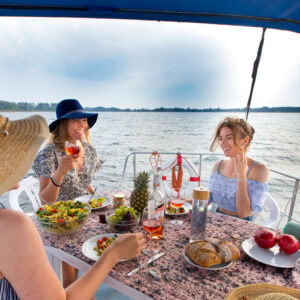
(180, 280)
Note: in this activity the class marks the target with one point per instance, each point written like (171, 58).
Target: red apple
(265, 238)
(288, 243)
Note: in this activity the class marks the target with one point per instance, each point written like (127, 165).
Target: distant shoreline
(125, 111)
(6, 106)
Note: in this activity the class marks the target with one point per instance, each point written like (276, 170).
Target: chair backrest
(274, 211)
(30, 186)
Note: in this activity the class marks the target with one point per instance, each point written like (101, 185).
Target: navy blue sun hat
(72, 109)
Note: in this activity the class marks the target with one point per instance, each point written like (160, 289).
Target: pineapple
(140, 194)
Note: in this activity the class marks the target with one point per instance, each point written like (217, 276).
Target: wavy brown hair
(60, 134)
(240, 129)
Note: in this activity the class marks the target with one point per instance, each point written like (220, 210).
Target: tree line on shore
(28, 106)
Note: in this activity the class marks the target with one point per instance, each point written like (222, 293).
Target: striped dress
(6, 290)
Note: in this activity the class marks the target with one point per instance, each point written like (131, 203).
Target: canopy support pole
(254, 71)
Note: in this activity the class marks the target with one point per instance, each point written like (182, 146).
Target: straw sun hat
(19, 142)
(263, 291)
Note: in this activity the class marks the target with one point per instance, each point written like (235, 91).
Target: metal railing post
(293, 200)
(124, 170)
(134, 165)
(200, 168)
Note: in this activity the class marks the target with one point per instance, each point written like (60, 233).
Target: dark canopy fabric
(278, 14)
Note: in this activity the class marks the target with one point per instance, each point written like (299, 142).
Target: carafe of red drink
(199, 213)
(157, 195)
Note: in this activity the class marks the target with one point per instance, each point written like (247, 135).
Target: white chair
(274, 212)
(29, 186)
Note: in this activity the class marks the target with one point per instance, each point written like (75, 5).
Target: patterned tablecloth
(180, 280)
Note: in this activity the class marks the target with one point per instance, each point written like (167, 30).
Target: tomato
(288, 244)
(54, 210)
(265, 238)
(99, 242)
(61, 221)
(104, 239)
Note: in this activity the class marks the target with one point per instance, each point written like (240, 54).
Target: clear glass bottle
(158, 197)
(199, 213)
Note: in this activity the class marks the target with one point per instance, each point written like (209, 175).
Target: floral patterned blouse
(73, 185)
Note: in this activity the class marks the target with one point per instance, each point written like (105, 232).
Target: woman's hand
(67, 163)
(240, 164)
(129, 245)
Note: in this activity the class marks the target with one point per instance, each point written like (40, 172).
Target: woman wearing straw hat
(54, 168)
(237, 185)
(25, 271)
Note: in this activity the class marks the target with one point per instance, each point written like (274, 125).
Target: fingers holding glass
(73, 147)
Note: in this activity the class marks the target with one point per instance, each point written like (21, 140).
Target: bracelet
(55, 182)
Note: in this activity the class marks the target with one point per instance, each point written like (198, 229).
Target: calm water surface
(116, 134)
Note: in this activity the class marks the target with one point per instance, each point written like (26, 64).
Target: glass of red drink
(73, 147)
(176, 203)
(152, 223)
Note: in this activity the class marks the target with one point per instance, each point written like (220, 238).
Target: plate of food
(183, 210)
(95, 246)
(96, 202)
(211, 254)
(272, 257)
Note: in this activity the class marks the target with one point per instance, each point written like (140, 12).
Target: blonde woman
(237, 184)
(25, 272)
(54, 168)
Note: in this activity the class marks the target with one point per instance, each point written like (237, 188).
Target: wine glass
(73, 147)
(152, 222)
(176, 203)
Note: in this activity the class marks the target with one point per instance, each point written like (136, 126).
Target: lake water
(116, 134)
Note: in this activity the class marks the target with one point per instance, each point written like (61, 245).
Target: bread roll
(206, 254)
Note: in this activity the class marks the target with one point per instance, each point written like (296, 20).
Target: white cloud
(145, 64)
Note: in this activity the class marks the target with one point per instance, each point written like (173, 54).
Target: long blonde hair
(240, 129)
(60, 134)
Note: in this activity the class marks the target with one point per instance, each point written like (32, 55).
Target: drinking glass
(73, 147)
(151, 222)
(176, 203)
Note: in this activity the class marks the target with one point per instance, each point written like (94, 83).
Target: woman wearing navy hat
(54, 168)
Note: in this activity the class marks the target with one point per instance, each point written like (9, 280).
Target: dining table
(179, 279)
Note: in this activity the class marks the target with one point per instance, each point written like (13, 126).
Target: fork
(146, 267)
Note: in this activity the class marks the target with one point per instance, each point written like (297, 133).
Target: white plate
(213, 268)
(86, 198)
(186, 206)
(271, 257)
(88, 246)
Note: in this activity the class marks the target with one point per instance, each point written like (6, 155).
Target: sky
(142, 64)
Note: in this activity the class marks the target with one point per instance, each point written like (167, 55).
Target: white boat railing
(292, 201)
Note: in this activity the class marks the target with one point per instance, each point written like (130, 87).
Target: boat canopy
(277, 14)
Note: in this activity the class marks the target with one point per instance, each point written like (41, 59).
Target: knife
(145, 264)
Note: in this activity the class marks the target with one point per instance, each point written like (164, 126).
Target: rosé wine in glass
(151, 226)
(152, 223)
(177, 203)
(72, 150)
(73, 147)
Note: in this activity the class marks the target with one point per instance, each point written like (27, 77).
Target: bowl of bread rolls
(211, 253)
